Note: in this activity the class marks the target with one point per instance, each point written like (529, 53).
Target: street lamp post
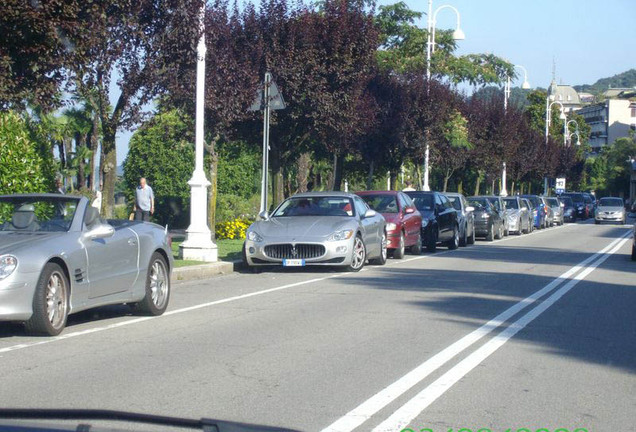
(577, 133)
(525, 86)
(458, 34)
(548, 108)
(198, 244)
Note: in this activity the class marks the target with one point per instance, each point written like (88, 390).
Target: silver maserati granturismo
(318, 228)
(58, 257)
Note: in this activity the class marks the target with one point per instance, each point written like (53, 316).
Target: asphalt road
(534, 331)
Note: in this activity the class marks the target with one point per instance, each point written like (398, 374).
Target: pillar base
(199, 247)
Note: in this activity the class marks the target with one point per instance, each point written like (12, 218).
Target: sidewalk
(204, 271)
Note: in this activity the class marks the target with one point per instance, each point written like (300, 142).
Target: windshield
(455, 201)
(495, 202)
(382, 203)
(610, 202)
(478, 203)
(553, 202)
(423, 202)
(576, 198)
(511, 203)
(315, 206)
(37, 214)
(535, 201)
(567, 201)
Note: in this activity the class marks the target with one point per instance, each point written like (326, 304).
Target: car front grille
(289, 251)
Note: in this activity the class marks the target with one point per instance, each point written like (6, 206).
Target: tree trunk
(370, 175)
(492, 187)
(393, 179)
(337, 172)
(512, 188)
(420, 179)
(94, 146)
(460, 186)
(478, 182)
(302, 177)
(80, 141)
(447, 177)
(109, 168)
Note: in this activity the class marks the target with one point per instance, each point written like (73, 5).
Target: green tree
(25, 164)
(161, 151)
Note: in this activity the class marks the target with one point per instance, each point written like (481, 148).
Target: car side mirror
(409, 210)
(264, 215)
(370, 213)
(100, 231)
(470, 209)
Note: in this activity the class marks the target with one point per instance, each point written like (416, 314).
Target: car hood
(12, 242)
(610, 209)
(298, 228)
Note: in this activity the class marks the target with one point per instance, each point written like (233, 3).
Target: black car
(488, 221)
(580, 204)
(569, 211)
(439, 219)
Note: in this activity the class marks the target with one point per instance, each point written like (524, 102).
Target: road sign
(276, 101)
(560, 185)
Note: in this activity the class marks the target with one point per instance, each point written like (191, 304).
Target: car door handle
(132, 242)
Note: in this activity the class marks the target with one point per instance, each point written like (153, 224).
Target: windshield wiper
(204, 424)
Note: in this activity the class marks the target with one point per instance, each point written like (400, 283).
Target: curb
(204, 271)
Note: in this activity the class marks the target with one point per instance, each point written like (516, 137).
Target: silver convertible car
(57, 257)
(318, 228)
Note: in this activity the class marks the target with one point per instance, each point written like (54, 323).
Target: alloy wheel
(56, 299)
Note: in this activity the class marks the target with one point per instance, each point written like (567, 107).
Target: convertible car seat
(24, 219)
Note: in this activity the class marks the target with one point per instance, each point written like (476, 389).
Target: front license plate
(293, 262)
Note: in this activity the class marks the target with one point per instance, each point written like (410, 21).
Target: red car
(403, 220)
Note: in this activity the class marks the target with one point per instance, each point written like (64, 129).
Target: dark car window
(455, 201)
(496, 203)
(576, 198)
(567, 201)
(553, 202)
(423, 202)
(512, 203)
(535, 201)
(480, 203)
(382, 203)
(610, 202)
(446, 202)
(403, 201)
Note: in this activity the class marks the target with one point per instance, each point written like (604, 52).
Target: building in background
(566, 95)
(609, 120)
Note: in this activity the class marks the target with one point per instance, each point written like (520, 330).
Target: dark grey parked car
(58, 257)
(500, 206)
(465, 218)
(488, 222)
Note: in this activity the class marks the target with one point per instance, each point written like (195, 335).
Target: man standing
(144, 201)
(59, 186)
(409, 186)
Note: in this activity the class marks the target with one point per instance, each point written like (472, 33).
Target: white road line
(371, 406)
(65, 336)
(414, 407)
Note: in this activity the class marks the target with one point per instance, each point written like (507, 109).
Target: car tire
(157, 297)
(381, 260)
(500, 233)
(471, 239)
(597, 222)
(431, 245)
(358, 255)
(463, 241)
(416, 249)
(454, 242)
(490, 235)
(53, 287)
(401, 249)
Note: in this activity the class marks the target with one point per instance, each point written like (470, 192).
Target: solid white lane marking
(371, 406)
(414, 407)
(65, 336)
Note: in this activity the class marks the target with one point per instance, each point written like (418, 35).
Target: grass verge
(229, 250)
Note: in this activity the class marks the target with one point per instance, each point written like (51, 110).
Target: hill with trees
(622, 80)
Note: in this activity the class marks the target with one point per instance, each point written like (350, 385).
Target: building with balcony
(609, 120)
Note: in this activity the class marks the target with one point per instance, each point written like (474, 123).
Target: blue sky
(587, 39)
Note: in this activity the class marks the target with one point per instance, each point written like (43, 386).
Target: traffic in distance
(349, 229)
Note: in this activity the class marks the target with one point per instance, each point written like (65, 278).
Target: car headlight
(425, 222)
(485, 215)
(391, 226)
(341, 235)
(580, 207)
(8, 264)
(254, 236)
